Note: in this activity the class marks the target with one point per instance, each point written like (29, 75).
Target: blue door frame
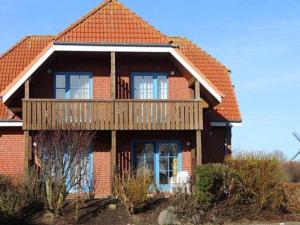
(156, 159)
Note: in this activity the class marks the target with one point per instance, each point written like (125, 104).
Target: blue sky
(259, 40)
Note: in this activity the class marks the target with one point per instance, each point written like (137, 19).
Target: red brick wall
(11, 151)
(42, 85)
(101, 157)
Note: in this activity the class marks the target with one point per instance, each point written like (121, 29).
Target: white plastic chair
(181, 182)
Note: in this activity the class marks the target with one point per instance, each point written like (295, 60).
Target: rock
(43, 218)
(112, 206)
(168, 217)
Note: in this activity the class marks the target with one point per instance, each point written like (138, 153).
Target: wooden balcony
(51, 114)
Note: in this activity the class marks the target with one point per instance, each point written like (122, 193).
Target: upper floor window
(149, 86)
(73, 85)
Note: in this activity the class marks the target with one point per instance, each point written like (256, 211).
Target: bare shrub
(19, 193)
(60, 156)
(292, 192)
(132, 190)
(263, 177)
(188, 208)
(292, 169)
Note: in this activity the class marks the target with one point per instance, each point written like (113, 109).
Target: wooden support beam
(27, 90)
(27, 137)
(191, 81)
(198, 147)
(113, 156)
(113, 75)
(197, 90)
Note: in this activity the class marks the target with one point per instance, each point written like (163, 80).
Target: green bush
(264, 179)
(216, 182)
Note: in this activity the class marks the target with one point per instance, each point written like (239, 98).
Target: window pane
(137, 81)
(144, 158)
(162, 87)
(85, 93)
(60, 81)
(60, 93)
(74, 94)
(74, 81)
(84, 81)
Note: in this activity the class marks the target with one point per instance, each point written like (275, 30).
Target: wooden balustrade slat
(112, 115)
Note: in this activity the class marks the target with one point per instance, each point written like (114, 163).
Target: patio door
(162, 159)
(168, 163)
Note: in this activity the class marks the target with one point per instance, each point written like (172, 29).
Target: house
(156, 102)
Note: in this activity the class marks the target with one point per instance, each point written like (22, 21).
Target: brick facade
(11, 151)
(41, 86)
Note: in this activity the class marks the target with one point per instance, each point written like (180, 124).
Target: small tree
(60, 156)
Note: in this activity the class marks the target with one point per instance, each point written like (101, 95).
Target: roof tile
(112, 22)
(15, 60)
(217, 73)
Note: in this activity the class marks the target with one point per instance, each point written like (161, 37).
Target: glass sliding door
(144, 158)
(169, 163)
(159, 158)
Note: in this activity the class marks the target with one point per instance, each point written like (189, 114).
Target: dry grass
(292, 169)
(263, 178)
(132, 190)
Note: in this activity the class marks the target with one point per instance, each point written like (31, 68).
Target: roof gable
(15, 60)
(19, 56)
(217, 73)
(112, 22)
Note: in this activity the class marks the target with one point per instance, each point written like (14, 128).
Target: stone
(112, 206)
(168, 217)
(43, 218)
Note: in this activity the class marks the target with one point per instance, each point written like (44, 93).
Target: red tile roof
(217, 73)
(15, 60)
(112, 22)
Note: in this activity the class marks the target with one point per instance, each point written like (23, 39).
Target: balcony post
(113, 152)
(113, 75)
(198, 132)
(27, 135)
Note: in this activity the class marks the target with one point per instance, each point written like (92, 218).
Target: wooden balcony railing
(51, 114)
